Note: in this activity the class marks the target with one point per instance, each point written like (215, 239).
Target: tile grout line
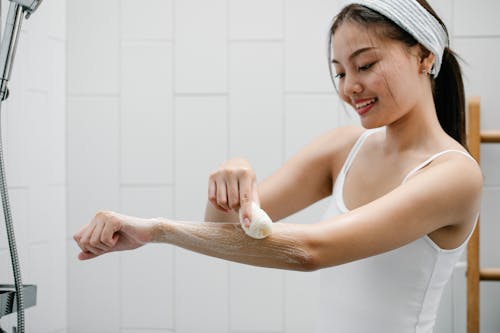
(119, 152)
(228, 138)
(174, 169)
(284, 136)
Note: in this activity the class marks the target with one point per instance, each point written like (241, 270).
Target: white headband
(414, 19)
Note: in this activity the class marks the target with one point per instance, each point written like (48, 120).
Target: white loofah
(261, 224)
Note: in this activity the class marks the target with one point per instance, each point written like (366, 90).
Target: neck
(419, 129)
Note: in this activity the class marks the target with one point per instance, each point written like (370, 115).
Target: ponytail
(449, 97)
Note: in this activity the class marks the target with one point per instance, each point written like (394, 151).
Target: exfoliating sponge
(261, 224)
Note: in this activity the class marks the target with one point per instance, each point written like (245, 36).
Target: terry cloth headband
(414, 19)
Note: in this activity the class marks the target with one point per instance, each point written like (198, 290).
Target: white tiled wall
(200, 53)
(162, 91)
(34, 137)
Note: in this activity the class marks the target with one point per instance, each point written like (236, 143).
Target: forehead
(351, 36)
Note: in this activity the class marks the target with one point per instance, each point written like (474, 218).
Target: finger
(212, 197)
(77, 236)
(233, 195)
(255, 193)
(222, 195)
(108, 233)
(86, 255)
(84, 242)
(246, 200)
(84, 236)
(95, 239)
(93, 250)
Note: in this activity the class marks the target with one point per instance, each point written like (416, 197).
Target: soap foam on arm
(260, 225)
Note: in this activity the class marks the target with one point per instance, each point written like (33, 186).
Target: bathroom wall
(161, 91)
(34, 137)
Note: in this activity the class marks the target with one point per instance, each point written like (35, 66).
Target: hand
(233, 186)
(109, 231)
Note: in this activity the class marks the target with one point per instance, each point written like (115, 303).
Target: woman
(405, 193)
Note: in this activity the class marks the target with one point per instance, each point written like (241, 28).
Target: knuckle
(222, 200)
(248, 173)
(100, 215)
(84, 241)
(105, 241)
(244, 172)
(213, 175)
(231, 173)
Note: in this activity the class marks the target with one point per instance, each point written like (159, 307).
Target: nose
(352, 86)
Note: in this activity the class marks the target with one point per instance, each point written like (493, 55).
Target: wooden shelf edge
(490, 274)
(490, 136)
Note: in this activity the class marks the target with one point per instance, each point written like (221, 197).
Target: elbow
(302, 247)
(299, 258)
(310, 265)
(315, 262)
(318, 256)
(311, 261)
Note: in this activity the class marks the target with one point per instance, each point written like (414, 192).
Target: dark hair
(447, 88)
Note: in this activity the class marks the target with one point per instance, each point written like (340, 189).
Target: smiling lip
(362, 106)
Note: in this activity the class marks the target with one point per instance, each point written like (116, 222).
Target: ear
(427, 63)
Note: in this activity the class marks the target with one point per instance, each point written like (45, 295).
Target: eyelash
(366, 67)
(361, 68)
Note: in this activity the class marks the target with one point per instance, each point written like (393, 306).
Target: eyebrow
(355, 53)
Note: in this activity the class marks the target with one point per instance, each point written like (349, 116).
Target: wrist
(159, 228)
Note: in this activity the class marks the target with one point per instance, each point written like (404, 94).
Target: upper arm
(307, 176)
(447, 194)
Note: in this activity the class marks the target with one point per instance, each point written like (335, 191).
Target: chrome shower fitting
(7, 51)
(29, 6)
(9, 41)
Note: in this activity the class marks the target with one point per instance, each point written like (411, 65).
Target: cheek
(400, 79)
(389, 86)
(340, 90)
(343, 96)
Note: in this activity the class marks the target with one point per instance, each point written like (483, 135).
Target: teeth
(362, 105)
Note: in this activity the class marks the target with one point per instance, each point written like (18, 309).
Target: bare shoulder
(335, 145)
(327, 150)
(455, 176)
(344, 137)
(461, 167)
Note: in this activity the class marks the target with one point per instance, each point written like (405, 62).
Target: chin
(371, 124)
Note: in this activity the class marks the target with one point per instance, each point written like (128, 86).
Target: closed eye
(365, 67)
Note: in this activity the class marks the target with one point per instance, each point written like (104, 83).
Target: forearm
(286, 248)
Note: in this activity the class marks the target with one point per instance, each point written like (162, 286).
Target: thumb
(246, 208)
(246, 213)
(86, 255)
(255, 194)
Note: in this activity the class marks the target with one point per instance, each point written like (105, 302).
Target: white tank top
(394, 292)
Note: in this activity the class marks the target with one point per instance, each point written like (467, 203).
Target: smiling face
(379, 77)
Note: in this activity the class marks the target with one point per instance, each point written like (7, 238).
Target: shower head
(9, 39)
(29, 6)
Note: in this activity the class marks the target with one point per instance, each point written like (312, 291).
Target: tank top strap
(432, 158)
(354, 150)
(338, 206)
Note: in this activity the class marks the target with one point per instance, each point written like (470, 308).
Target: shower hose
(12, 241)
